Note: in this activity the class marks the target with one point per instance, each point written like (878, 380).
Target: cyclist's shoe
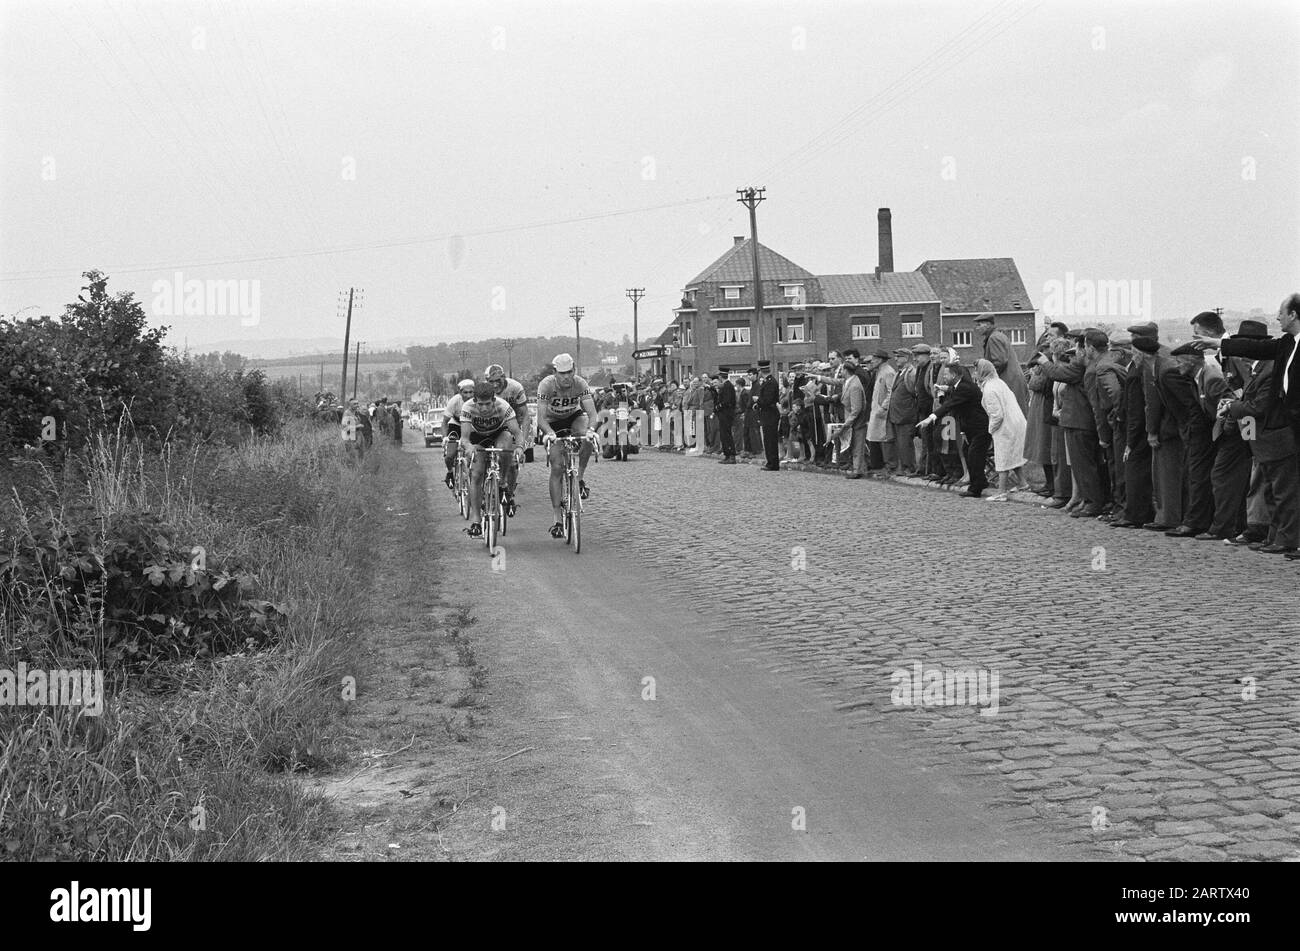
(475, 530)
(557, 530)
(583, 490)
(508, 500)
(450, 480)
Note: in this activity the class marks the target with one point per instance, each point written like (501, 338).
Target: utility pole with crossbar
(750, 198)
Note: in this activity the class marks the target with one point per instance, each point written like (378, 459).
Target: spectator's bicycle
(460, 481)
(492, 510)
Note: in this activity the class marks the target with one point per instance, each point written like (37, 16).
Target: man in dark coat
(769, 414)
(1136, 455)
(964, 403)
(1080, 427)
(725, 407)
(1274, 447)
(1282, 351)
(1162, 431)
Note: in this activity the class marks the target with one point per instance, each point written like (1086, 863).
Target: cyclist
(564, 408)
(512, 391)
(451, 427)
(486, 420)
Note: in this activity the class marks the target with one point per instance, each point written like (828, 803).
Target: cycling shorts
(489, 439)
(564, 426)
(453, 430)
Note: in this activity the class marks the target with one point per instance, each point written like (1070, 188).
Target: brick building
(808, 315)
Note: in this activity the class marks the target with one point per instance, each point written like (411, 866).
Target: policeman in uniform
(769, 413)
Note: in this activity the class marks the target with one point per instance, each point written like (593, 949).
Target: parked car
(433, 428)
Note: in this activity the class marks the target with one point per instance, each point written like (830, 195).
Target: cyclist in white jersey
(564, 408)
(486, 421)
(512, 391)
(451, 427)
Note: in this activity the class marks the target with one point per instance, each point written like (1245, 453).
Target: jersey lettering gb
(561, 404)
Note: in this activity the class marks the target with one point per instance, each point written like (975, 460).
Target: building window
(866, 331)
(794, 332)
(961, 338)
(733, 336)
(1017, 335)
(792, 290)
(731, 293)
(686, 336)
(688, 297)
(913, 329)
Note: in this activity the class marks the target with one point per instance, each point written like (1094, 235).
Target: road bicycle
(493, 514)
(570, 496)
(460, 481)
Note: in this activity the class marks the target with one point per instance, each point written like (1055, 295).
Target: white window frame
(959, 335)
(727, 291)
(687, 335)
(866, 325)
(1018, 335)
(741, 335)
(793, 326)
(918, 326)
(792, 290)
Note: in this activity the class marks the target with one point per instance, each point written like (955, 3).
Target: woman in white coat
(1007, 426)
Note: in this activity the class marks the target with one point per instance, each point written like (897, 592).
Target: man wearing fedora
(1162, 431)
(1272, 408)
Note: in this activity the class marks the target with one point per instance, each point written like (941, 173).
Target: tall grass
(203, 769)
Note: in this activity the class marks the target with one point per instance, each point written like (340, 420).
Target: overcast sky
(239, 140)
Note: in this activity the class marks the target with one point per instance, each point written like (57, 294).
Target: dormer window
(731, 291)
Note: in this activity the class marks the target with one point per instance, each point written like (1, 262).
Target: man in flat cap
(1139, 509)
(1103, 381)
(1162, 430)
(878, 426)
(924, 386)
(902, 415)
(1080, 430)
(998, 351)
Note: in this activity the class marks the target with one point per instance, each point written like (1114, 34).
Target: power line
(373, 246)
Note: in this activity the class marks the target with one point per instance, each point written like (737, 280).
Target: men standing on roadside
(1080, 426)
(998, 351)
(856, 416)
(769, 414)
(878, 426)
(1162, 433)
(725, 408)
(903, 412)
(1107, 398)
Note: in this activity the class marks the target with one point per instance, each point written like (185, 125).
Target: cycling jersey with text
(486, 419)
(514, 395)
(556, 403)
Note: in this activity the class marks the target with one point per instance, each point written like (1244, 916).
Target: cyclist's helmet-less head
(496, 375)
(484, 392)
(466, 389)
(563, 363)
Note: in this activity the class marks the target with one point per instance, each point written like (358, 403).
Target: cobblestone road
(1127, 714)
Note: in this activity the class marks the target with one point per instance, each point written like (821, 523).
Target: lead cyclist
(564, 408)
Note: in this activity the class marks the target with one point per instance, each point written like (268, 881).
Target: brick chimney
(885, 231)
(739, 239)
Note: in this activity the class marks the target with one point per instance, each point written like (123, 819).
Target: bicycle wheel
(462, 490)
(577, 530)
(491, 506)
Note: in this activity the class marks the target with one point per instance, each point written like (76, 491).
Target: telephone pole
(750, 198)
(356, 365)
(347, 334)
(635, 293)
(576, 313)
(509, 344)
(464, 361)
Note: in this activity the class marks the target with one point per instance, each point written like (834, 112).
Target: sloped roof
(973, 285)
(664, 338)
(738, 265)
(890, 288)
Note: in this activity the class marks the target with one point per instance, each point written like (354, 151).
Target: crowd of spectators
(1199, 442)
